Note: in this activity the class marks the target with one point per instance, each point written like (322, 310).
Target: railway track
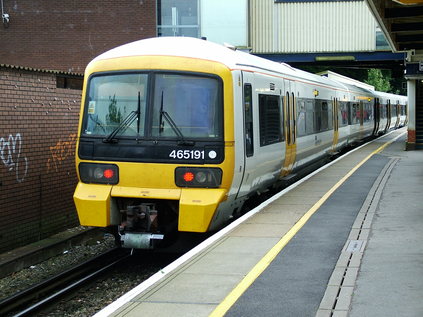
(46, 293)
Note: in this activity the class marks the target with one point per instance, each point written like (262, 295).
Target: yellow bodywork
(93, 204)
(290, 134)
(197, 206)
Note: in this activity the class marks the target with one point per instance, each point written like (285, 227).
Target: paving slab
(261, 230)
(166, 309)
(391, 274)
(202, 288)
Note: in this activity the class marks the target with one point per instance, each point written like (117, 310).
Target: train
(177, 134)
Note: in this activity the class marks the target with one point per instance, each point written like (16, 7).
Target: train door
(360, 115)
(388, 115)
(262, 129)
(248, 105)
(397, 114)
(335, 119)
(361, 112)
(376, 116)
(290, 127)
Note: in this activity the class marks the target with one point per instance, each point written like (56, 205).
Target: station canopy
(401, 22)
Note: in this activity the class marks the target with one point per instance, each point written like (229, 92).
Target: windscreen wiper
(125, 123)
(168, 118)
(139, 114)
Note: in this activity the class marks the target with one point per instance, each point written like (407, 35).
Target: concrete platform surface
(347, 241)
(390, 279)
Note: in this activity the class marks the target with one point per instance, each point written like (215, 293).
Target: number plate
(193, 154)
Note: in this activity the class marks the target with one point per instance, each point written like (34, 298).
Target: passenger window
(355, 114)
(318, 117)
(301, 118)
(367, 114)
(324, 126)
(344, 114)
(248, 117)
(331, 116)
(270, 119)
(309, 116)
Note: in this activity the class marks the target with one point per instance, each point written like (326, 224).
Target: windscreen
(154, 106)
(189, 104)
(116, 101)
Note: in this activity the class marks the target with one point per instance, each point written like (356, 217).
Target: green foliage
(114, 117)
(376, 78)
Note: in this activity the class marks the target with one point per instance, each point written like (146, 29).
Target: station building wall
(66, 35)
(311, 26)
(225, 21)
(38, 129)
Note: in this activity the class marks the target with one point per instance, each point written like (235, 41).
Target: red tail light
(99, 173)
(188, 177)
(205, 177)
(108, 173)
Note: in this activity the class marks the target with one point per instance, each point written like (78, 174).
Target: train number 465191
(187, 154)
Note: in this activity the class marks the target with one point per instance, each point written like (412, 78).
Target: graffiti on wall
(11, 156)
(61, 151)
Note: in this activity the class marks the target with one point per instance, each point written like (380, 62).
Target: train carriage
(176, 134)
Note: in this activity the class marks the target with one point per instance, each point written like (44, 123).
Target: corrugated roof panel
(261, 25)
(306, 27)
(51, 71)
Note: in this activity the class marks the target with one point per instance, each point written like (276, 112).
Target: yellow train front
(154, 156)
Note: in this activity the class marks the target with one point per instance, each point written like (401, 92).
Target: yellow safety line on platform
(259, 268)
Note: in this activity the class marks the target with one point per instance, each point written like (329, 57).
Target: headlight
(198, 177)
(99, 173)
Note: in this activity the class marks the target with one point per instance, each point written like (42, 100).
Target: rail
(37, 297)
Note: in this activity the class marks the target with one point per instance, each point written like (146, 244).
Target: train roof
(233, 59)
(202, 49)
(172, 46)
(387, 95)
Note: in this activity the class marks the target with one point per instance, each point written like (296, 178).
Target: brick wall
(66, 35)
(38, 127)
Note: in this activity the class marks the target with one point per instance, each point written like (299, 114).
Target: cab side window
(248, 120)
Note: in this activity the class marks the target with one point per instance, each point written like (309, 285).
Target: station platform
(345, 241)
